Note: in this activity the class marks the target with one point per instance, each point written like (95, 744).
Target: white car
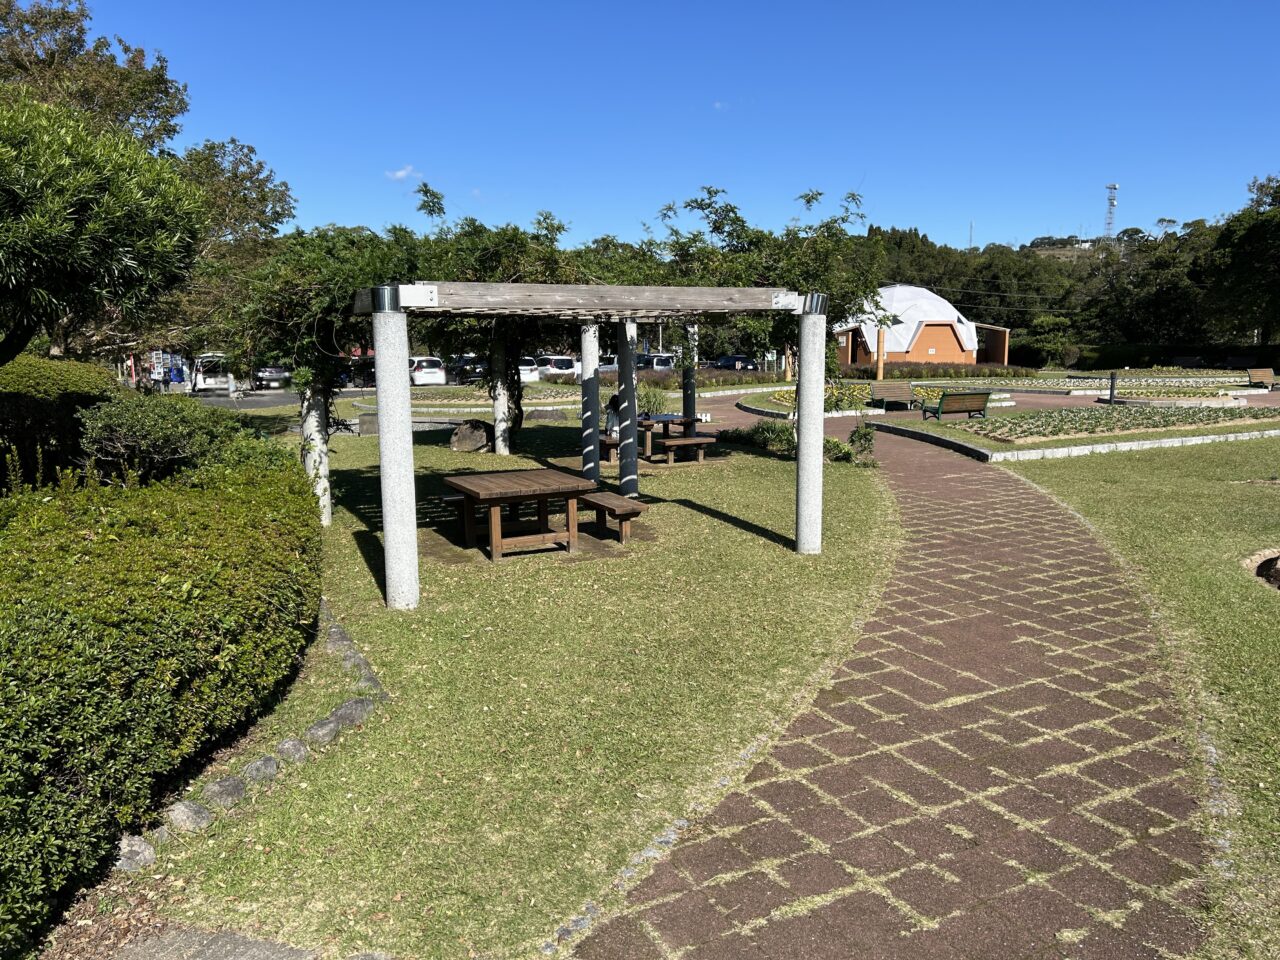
(608, 363)
(662, 362)
(426, 371)
(553, 366)
(529, 370)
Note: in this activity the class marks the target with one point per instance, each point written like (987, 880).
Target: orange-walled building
(919, 327)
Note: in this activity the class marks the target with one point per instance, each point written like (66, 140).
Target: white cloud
(719, 105)
(404, 173)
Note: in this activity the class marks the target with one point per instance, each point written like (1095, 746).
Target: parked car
(210, 372)
(467, 369)
(555, 366)
(426, 372)
(608, 363)
(529, 370)
(360, 372)
(272, 378)
(737, 362)
(661, 362)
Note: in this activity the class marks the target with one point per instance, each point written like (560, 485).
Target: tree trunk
(315, 447)
(501, 397)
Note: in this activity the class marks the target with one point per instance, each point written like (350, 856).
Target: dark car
(736, 362)
(359, 373)
(272, 378)
(466, 369)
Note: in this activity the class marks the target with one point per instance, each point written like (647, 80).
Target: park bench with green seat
(972, 402)
(622, 509)
(1262, 377)
(887, 392)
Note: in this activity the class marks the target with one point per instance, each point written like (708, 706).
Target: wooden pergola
(590, 307)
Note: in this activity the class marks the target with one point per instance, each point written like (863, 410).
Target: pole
(395, 449)
(1112, 398)
(880, 352)
(590, 383)
(628, 455)
(809, 423)
(689, 378)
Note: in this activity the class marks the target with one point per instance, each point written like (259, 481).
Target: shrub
(651, 399)
(937, 371)
(154, 436)
(862, 442)
(138, 626)
(39, 403)
(779, 437)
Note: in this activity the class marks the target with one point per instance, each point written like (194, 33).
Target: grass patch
(548, 715)
(1185, 520)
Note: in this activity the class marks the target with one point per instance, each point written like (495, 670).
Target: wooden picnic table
(665, 420)
(495, 490)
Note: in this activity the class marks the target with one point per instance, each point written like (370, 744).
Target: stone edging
(1056, 453)
(783, 415)
(137, 852)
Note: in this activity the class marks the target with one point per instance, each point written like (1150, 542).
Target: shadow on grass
(358, 490)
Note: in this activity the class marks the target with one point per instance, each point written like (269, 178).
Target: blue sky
(1012, 116)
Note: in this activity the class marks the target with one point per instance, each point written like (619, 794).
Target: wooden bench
(891, 391)
(1262, 377)
(970, 402)
(609, 448)
(622, 509)
(669, 446)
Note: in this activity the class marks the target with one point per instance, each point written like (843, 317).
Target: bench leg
(544, 523)
(495, 532)
(671, 456)
(571, 516)
(700, 451)
(624, 531)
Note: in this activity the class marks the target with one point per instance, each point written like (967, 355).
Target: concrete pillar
(501, 400)
(689, 378)
(590, 382)
(395, 449)
(809, 422)
(628, 454)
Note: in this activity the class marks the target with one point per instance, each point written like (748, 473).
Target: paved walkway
(994, 774)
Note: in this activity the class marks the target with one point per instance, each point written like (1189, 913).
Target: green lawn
(549, 715)
(1185, 519)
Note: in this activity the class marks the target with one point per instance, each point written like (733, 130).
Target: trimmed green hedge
(154, 436)
(138, 626)
(39, 401)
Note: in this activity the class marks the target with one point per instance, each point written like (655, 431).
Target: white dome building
(921, 327)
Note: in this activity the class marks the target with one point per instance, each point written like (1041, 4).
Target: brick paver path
(994, 774)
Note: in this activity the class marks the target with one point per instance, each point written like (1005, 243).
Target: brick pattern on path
(995, 773)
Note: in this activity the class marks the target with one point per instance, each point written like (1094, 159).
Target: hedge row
(138, 626)
(936, 371)
(39, 403)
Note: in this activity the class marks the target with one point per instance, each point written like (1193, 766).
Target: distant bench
(1262, 377)
(970, 402)
(622, 509)
(890, 391)
(669, 446)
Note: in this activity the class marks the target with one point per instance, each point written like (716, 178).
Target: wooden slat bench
(890, 391)
(609, 448)
(971, 402)
(669, 446)
(622, 509)
(1262, 377)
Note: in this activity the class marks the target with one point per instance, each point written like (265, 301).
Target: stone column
(395, 449)
(590, 383)
(809, 423)
(628, 455)
(689, 379)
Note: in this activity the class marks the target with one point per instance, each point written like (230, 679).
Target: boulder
(224, 793)
(472, 436)
(322, 731)
(188, 817)
(262, 769)
(134, 854)
(353, 712)
(292, 749)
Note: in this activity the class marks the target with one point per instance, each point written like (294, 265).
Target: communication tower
(1111, 209)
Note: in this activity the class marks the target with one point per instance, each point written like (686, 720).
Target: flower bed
(1089, 421)
(1162, 386)
(848, 396)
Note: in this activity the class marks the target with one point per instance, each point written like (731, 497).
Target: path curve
(995, 773)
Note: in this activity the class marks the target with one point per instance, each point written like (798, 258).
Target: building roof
(909, 309)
